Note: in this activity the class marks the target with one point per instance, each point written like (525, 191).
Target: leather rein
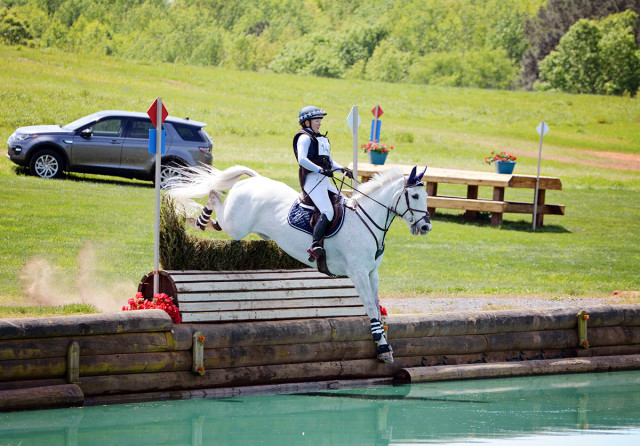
(392, 213)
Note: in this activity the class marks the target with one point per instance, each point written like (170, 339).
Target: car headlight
(17, 137)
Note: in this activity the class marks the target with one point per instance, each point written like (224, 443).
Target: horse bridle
(390, 211)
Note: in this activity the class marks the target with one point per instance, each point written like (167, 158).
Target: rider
(313, 151)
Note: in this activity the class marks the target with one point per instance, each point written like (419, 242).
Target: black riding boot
(317, 250)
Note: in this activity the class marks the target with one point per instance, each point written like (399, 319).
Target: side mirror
(87, 133)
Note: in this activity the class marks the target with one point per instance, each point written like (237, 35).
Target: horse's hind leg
(204, 221)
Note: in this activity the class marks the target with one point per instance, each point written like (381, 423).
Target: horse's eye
(414, 196)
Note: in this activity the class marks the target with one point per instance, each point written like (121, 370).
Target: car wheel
(46, 164)
(169, 172)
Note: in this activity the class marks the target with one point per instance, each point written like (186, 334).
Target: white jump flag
(542, 130)
(353, 121)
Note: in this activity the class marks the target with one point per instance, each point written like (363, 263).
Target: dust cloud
(46, 284)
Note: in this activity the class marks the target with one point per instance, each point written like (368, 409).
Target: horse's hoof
(385, 353)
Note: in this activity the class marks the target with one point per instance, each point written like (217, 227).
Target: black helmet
(310, 112)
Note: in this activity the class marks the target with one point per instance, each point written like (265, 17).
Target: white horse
(261, 205)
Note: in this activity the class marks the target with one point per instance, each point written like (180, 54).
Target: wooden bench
(497, 205)
(218, 296)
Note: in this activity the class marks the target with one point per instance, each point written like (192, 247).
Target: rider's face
(315, 124)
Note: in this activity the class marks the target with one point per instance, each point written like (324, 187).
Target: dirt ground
(416, 305)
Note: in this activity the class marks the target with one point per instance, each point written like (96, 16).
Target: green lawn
(92, 237)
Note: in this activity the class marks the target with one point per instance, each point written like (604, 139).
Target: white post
(354, 126)
(535, 198)
(156, 237)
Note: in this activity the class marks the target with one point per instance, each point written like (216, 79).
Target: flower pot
(505, 166)
(378, 157)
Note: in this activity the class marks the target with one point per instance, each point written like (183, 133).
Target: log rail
(141, 354)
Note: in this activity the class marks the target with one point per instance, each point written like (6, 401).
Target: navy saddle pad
(300, 218)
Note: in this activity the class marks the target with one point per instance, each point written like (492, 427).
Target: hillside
(103, 226)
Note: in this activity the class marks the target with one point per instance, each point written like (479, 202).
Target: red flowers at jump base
(160, 302)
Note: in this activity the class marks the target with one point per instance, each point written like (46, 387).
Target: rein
(390, 212)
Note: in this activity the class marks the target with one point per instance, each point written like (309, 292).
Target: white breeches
(318, 187)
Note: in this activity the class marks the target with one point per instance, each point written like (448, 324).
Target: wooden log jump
(143, 353)
(215, 296)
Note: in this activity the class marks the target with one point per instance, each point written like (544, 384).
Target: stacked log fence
(139, 355)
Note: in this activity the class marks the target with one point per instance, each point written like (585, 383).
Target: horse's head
(411, 204)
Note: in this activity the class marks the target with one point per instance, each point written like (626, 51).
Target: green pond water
(587, 409)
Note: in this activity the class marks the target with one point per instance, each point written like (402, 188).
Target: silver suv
(109, 143)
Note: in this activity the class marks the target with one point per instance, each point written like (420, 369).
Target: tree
(554, 19)
(596, 57)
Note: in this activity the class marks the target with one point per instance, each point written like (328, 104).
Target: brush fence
(138, 355)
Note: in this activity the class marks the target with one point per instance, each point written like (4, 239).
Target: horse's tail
(198, 182)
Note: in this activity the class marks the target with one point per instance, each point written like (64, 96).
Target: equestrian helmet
(310, 112)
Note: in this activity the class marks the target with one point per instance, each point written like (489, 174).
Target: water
(589, 409)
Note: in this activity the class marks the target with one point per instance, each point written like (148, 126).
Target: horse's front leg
(367, 286)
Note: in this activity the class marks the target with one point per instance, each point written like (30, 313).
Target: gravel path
(414, 305)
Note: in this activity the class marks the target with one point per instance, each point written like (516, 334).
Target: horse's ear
(419, 177)
(412, 176)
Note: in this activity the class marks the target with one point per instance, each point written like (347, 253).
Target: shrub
(180, 250)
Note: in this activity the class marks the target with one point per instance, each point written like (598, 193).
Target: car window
(108, 127)
(140, 128)
(188, 133)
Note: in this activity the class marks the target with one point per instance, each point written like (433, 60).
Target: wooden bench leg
(540, 210)
(472, 193)
(432, 191)
(498, 195)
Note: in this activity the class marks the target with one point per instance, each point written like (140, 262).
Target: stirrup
(315, 252)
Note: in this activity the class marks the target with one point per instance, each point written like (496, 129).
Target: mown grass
(591, 251)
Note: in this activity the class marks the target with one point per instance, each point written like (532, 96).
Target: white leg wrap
(378, 332)
(204, 217)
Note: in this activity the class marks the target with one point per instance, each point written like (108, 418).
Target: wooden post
(432, 191)
(472, 193)
(73, 363)
(498, 195)
(582, 329)
(198, 353)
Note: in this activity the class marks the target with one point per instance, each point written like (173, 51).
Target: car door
(100, 149)
(135, 150)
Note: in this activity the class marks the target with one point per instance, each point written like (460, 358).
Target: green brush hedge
(180, 250)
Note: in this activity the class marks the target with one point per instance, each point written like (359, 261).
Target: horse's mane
(379, 180)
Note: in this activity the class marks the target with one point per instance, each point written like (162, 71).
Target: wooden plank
(285, 313)
(529, 182)
(437, 175)
(527, 208)
(258, 285)
(180, 276)
(242, 305)
(276, 295)
(469, 177)
(466, 204)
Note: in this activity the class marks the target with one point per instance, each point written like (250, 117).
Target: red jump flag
(153, 113)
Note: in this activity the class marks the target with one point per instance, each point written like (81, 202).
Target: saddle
(303, 216)
(338, 211)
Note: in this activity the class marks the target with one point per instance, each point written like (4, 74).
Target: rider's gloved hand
(347, 172)
(327, 172)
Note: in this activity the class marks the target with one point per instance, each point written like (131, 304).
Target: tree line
(570, 45)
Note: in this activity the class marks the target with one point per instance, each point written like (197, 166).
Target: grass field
(90, 238)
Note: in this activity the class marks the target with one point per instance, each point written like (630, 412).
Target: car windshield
(75, 125)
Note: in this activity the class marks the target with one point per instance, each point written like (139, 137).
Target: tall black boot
(316, 250)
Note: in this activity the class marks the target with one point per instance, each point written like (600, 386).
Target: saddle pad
(300, 218)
